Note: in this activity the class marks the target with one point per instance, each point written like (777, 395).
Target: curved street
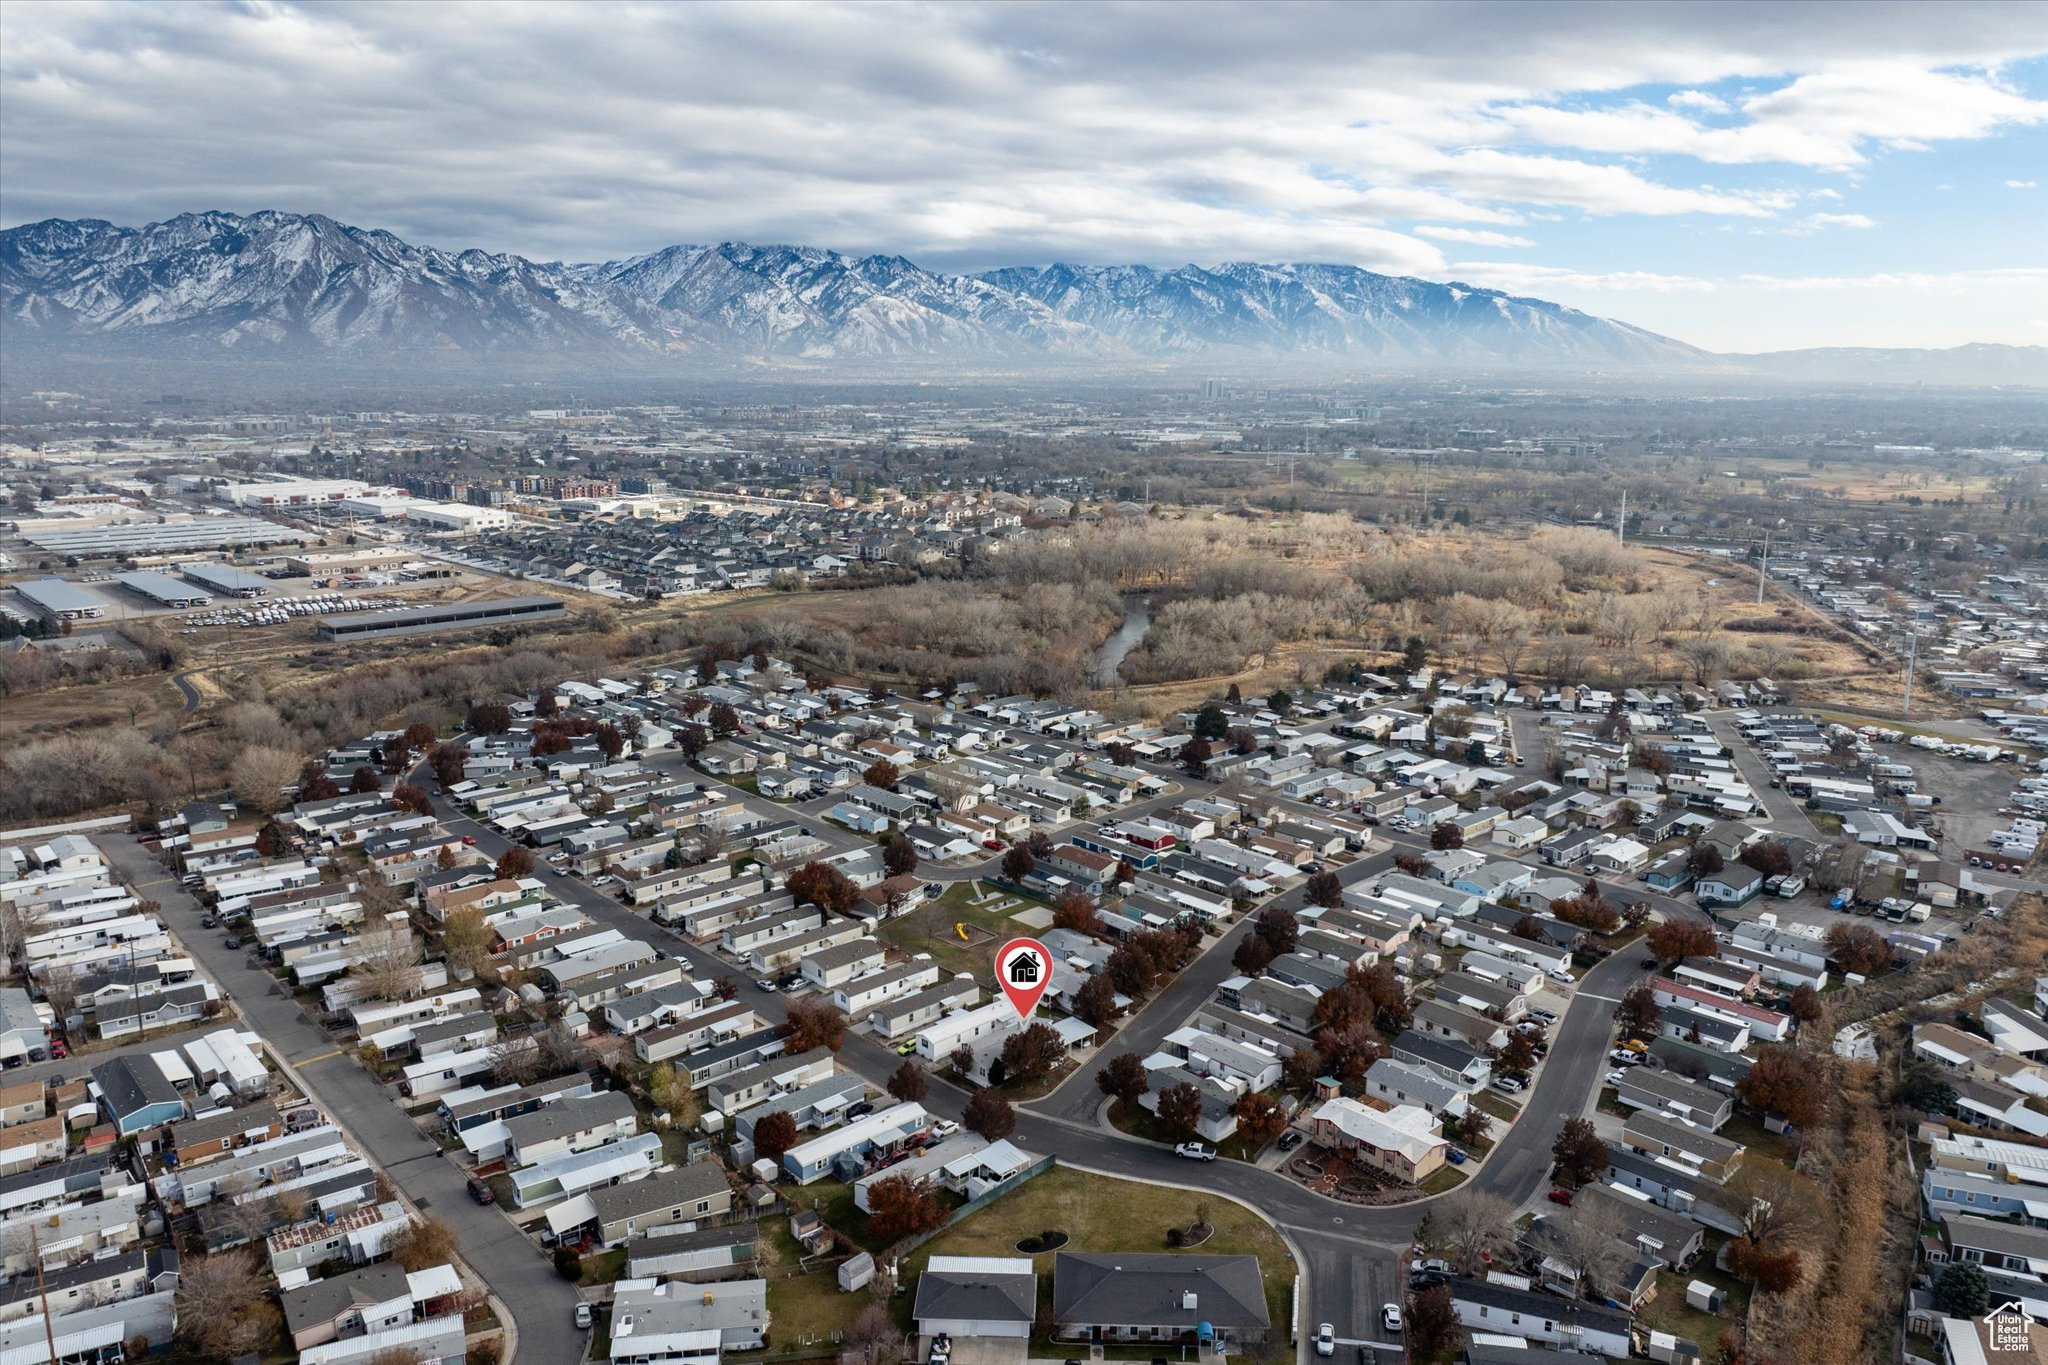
(1349, 1253)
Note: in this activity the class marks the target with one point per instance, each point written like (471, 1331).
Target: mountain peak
(283, 281)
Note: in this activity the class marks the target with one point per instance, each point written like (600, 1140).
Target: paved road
(191, 693)
(1785, 813)
(541, 1304)
(1349, 1254)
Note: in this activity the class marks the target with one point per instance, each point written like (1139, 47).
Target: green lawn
(1101, 1214)
(1669, 1312)
(930, 929)
(804, 1310)
(1760, 1140)
(1445, 1180)
(603, 1267)
(1142, 1123)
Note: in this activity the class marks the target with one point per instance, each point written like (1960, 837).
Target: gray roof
(1545, 1306)
(55, 594)
(131, 1084)
(667, 1189)
(224, 577)
(320, 1301)
(1145, 1289)
(559, 1120)
(984, 1295)
(449, 611)
(201, 534)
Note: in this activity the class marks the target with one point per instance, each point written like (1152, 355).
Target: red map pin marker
(1023, 970)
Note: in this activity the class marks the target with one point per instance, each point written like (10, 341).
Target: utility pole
(35, 1252)
(1761, 566)
(1621, 521)
(1912, 655)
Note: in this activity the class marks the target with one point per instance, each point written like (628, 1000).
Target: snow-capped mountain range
(280, 283)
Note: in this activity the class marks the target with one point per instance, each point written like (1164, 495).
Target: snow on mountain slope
(278, 282)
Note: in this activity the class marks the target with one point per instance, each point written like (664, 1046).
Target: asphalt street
(1349, 1254)
(541, 1304)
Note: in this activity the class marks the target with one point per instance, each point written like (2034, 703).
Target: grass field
(1669, 1312)
(930, 929)
(1101, 1214)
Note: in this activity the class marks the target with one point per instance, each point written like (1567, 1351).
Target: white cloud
(1697, 99)
(1472, 237)
(1763, 312)
(2021, 184)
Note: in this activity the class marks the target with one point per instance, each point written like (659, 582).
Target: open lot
(1101, 1214)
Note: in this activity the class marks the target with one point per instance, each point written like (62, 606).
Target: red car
(1563, 1197)
(58, 1049)
(993, 845)
(469, 840)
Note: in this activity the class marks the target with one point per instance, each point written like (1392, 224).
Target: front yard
(1101, 1214)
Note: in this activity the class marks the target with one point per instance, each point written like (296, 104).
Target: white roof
(1404, 1128)
(571, 1213)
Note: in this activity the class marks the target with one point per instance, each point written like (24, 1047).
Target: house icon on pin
(1024, 969)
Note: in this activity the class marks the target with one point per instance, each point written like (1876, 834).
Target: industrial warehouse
(162, 589)
(378, 625)
(56, 600)
(152, 538)
(225, 580)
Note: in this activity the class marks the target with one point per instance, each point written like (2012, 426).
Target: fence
(978, 1203)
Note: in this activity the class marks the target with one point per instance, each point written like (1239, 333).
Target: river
(1108, 655)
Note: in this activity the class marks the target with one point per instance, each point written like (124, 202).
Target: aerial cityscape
(1015, 685)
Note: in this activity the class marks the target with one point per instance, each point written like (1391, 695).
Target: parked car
(469, 841)
(1458, 1156)
(1510, 1085)
(861, 1110)
(906, 1048)
(1616, 1077)
(233, 943)
(764, 984)
(210, 922)
(1432, 1266)
(1621, 1056)
(944, 1128)
(1291, 1139)
(1195, 1151)
(1561, 1196)
(583, 1315)
(481, 1192)
(1390, 1317)
(1649, 964)
(1326, 1340)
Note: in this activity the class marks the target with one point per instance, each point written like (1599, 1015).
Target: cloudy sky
(1744, 177)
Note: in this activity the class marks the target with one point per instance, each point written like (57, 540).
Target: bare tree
(516, 1061)
(1589, 1241)
(222, 1310)
(260, 773)
(1467, 1226)
(387, 964)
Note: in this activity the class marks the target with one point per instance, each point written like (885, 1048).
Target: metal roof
(160, 586)
(56, 594)
(223, 577)
(205, 533)
(450, 611)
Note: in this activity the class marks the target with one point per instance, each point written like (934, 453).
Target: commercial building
(224, 580)
(158, 538)
(498, 611)
(162, 589)
(57, 600)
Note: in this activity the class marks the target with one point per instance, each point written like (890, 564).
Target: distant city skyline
(1741, 177)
